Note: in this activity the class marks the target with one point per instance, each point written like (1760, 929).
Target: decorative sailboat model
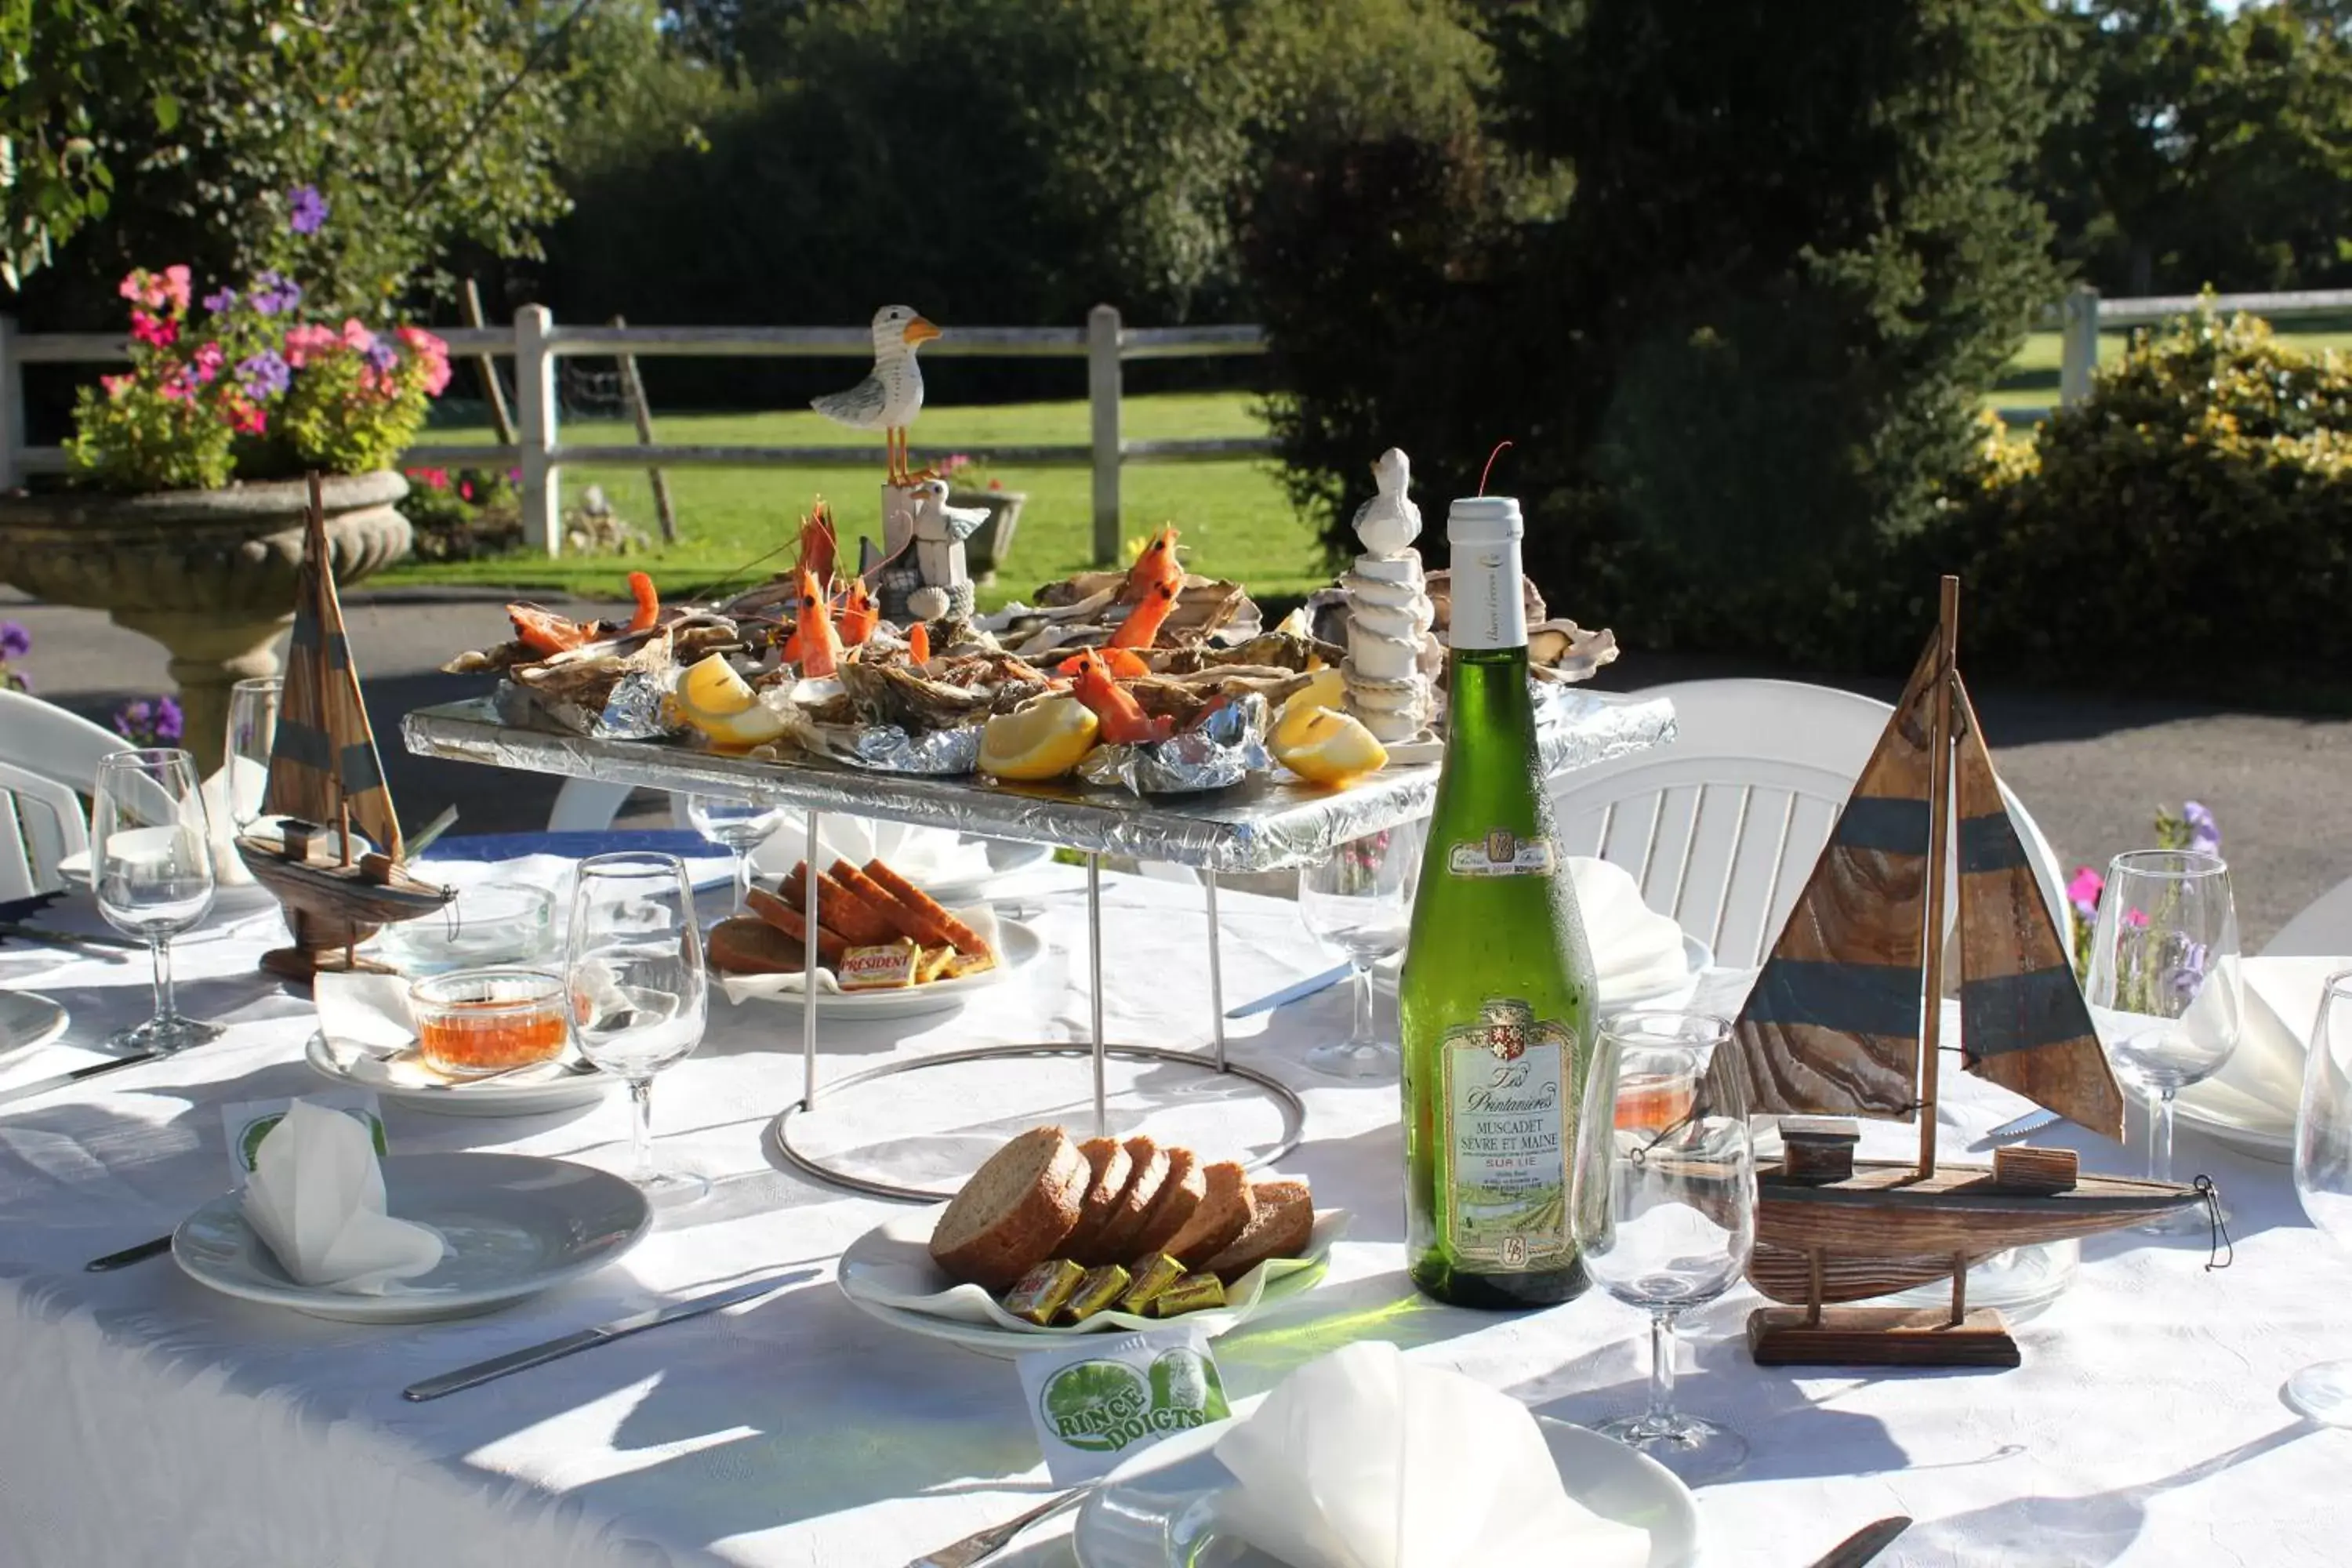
(326, 784)
(1844, 1021)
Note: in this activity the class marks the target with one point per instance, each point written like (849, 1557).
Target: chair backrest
(2324, 929)
(1721, 825)
(586, 805)
(45, 739)
(41, 823)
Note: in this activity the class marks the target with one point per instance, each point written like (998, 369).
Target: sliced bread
(1108, 1166)
(1115, 1243)
(1281, 1227)
(1015, 1211)
(1225, 1211)
(1180, 1195)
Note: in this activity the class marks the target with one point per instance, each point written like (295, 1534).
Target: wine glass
(742, 825)
(1359, 901)
(2323, 1177)
(1665, 1206)
(151, 870)
(638, 997)
(2164, 988)
(252, 733)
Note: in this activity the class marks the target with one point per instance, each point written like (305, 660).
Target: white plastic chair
(41, 823)
(2324, 929)
(586, 805)
(1721, 825)
(43, 738)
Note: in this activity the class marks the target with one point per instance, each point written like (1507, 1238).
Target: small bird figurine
(934, 518)
(1388, 522)
(889, 399)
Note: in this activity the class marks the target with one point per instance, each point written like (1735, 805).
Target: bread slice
(1014, 1212)
(1180, 1195)
(1225, 1211)
(1108, 1166)
(744, 945)
(1282, 1227)
(1115, 1243)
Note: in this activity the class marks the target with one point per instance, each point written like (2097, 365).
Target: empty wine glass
(742, 825)
(151, 870)
(1359, 901)
(2323, 1177)
(244, 750)
(2164, 987)
(639, 995)
(1665, 1206)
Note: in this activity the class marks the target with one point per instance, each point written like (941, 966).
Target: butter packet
(248, 1121)
(1097, 1401)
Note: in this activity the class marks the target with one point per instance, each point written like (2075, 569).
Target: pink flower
(154, 330)
(2084, 890)
(306, 342)
(356, 337)
(175, 286)
(116, 386)
(208, 362)
(177, 386)
(2135, 918)
(466, 489)
(246, 417)
(133, 285)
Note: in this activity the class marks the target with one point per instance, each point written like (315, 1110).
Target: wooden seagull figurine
(889, 399)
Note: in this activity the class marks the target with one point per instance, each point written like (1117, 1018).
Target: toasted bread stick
(962, 937)
(860, 923)
(906, 922)
(786, 918)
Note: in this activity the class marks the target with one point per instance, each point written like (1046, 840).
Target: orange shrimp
(818, 542)
(1123, 720)
(815, 646)
(918, 644)
(1143, 623)
(1156, 565)
(1124, 664)
(858, 613)
(544, 631)
(641, 588)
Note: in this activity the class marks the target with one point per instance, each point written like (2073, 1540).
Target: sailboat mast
(1939, 797)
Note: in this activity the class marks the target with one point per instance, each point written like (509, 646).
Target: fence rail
(2083, 314)
(535, 342)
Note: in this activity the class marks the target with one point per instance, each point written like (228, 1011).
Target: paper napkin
(316, 1197)
(365, 1009)
(1634, 948)
(922, 855)
(2282, 1004)
(1363, 1459)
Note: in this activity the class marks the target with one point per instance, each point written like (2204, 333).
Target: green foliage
(138, 439)
(359, 396)
(2190, 522)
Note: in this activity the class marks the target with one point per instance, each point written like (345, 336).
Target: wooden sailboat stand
(1880, 1336)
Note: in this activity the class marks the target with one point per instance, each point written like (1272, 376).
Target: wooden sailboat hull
(1886, 1228)
(332, 908)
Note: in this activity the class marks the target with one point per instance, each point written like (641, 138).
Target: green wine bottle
(1497, 992)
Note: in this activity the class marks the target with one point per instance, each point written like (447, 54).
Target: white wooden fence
(535, 342)
(2080, 316)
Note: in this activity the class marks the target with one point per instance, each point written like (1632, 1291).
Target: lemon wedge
(1325, 746)
(1043, 741)
(717, 701)
(1329, 690)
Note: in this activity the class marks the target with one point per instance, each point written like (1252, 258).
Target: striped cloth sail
(324, 754)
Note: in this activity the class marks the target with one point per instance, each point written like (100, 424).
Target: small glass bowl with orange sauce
(470, 1022)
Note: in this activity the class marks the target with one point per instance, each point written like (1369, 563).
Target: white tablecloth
(149, 1421)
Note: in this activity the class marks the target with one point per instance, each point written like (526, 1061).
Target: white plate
(516, 1224)
(1157, 1510)
(1697, 957)
(534, 1093)
(1017, 947)
(2237, 1120)
(889, 1272)
(1004, 858)
(28, 1019)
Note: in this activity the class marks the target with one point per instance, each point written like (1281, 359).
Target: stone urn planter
(207, 573)
(985, 551)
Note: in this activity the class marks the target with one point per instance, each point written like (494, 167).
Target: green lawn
(1236, 519)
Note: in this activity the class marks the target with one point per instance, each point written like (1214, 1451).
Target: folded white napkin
(1363, 1459)
(2282, 1003)
(365, 1009)
(922, 855)
(741, 988)
(228, 865)
(316, 1197)
(1634, 948)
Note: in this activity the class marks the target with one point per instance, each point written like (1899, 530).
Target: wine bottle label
(1489, 607)
(1505, 1139)
(1501, 853)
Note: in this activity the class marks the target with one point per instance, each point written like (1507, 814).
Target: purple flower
(306, 209)
(221, 299)
(275, 294)
(264, 374)
(382, 355)
(168, 724)
(2204, 833)
(16, 642)
(131, 720)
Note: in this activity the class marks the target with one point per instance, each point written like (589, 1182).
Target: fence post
(543, 499)
(12, 408)
(1102, 398)
(2078, 351)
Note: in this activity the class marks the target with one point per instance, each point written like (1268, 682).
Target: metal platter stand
(1263, 825)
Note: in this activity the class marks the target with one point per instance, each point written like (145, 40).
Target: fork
(988, 1542)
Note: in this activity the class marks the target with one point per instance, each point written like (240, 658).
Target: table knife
(1865, 1544)
(65, 1080)
(44, 936)
(1293, 992)
(153, 1248)
(604, 1333)
(983, 1543)
(2025, 1126)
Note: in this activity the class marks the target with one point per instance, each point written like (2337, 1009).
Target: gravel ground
(2092, 769)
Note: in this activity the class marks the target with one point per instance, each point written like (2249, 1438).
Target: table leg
(1095, 984)
(808, 967)
(1216, 971)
